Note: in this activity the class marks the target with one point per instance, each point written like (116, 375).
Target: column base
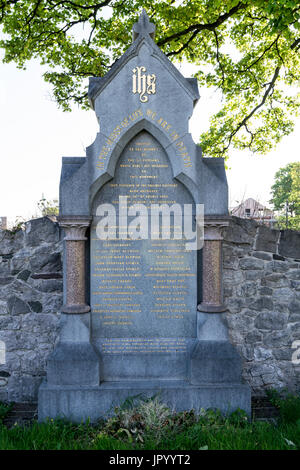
(73, 363)
(210, 308)
(214, 361)
(79, 308)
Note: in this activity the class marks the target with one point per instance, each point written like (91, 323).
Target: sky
(35, 134)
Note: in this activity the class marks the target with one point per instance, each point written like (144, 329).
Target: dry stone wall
(262, 292)
(30, 299)
(261, 285)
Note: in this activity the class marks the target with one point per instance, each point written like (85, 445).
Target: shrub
(287, 404)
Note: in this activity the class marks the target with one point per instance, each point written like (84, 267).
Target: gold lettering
(143, 84)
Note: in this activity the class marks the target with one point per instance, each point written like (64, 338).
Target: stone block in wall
(24, 275)
(240, 231)
(262, 354)
(295, 330)
(3, 307)
(294, 307)
(275, 280)
(17, 306)
(277, 266)
(263, 255)
(289, 244)
(45, 260)
(4, 267)
(294, 274)
(253, 274)
(248, 289)
(262, 303)
(282, 354)
(24, 388)
(254, 336)
(10, 242)
(271, 321)
(265, 290)
(48, 285)
(42, 230)
(251, 263)
(283, 295)
(5, 280)
(278, 339)
(20, 260)
(295, 285)
(267, 239)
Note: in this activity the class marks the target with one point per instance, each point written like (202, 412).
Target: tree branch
(202, 27)
(184, 45)
(32, 14)
(249, 116)
(295, 44)
(76, 5)
(218, 58)
(261, 56)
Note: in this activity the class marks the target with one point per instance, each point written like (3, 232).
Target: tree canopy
(286, 195)
(246, 49)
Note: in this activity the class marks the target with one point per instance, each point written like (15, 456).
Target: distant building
(252, 209)
(3, 223)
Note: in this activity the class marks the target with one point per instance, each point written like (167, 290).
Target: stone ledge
(81, 403)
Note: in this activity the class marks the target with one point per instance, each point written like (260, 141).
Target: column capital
(75, 226)
(213, 225)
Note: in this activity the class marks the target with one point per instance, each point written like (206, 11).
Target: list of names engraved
(141, 290)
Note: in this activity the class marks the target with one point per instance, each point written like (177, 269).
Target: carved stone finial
(143, 27)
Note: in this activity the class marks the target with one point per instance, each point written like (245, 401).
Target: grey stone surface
(73, 363)
(28, 317)
(17, 306)
(262, 303)
(41, 230)
(294, 306)
(82, 403)
(251, 263)
(266, 239)
(266, 343)
(145, 321)
(289, 244)
(215, 362)
(271, 321)
(10, 242)
(262, 255)
(74, 360)
(241, 231)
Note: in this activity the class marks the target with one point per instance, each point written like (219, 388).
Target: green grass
(150, 425)
(287, 404)
(4, 409)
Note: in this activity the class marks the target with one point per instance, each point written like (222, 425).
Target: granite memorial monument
(141, 315)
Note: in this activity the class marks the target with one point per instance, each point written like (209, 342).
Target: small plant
(4, 410)
(48, 207)
(287, 404)
(238, 418)
(138, 417)
(19, 224)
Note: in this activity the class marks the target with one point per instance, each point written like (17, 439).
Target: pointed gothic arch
(121, 143)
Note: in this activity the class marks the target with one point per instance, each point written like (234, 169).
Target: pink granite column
(74, 269)
(212, 282)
